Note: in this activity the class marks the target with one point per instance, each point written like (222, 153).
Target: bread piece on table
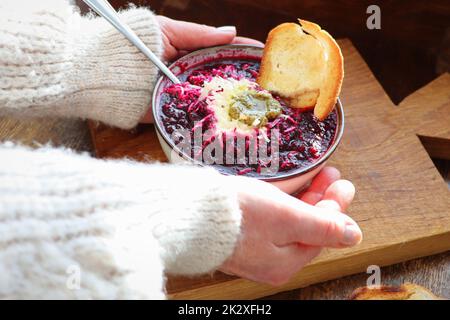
(303, 64)
(407, 291)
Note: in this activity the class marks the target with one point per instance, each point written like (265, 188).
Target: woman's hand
(180, 37)
(281, 234)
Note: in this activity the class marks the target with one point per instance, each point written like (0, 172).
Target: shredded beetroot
(302, 138)
(244, 171)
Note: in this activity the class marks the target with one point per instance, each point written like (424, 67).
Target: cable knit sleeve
(76, 227)
(54, 62)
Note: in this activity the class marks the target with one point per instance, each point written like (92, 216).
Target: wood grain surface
(390, 59)
(402, 205)
(70, 133)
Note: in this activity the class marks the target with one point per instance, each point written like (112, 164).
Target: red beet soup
(301, 138)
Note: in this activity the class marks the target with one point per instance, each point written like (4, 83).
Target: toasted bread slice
(304, 65)
(407, 291)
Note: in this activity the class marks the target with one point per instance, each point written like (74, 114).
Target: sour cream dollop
(239, 104)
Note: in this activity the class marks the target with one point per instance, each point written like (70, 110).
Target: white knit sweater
(76, 227)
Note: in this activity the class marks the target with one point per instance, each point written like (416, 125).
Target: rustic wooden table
(395, 190)
(432, 272)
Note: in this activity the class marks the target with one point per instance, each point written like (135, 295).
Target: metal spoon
(104, 9)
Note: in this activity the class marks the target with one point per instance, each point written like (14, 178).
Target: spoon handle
(104, 9)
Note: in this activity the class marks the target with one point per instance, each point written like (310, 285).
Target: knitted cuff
(194, 213)
(112, 80)
(53, 62)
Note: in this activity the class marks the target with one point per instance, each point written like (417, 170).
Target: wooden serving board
(402, 203)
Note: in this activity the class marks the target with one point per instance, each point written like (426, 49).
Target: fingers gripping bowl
(221, 104)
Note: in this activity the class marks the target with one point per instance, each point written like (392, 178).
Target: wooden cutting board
(402, 203)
